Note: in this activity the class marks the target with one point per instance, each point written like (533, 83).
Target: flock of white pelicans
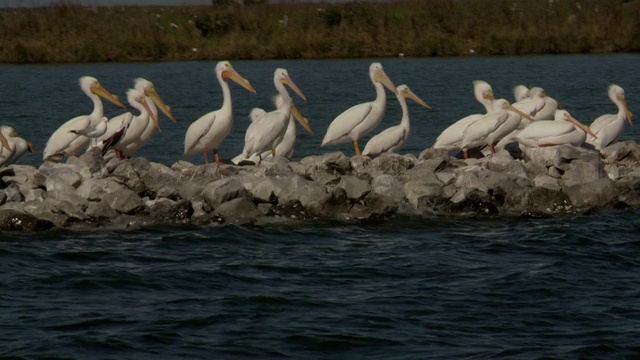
(533, 120)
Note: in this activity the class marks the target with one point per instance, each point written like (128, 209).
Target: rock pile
(92, 191)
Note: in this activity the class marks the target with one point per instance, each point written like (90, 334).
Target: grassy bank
(68, 33)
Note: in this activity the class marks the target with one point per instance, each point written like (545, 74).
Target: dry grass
(69, 33)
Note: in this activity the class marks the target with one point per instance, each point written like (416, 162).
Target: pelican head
(91, 86)
(406, 93)
(377, 75)
(136, 97)
(520, 92)
(616, 94)
(281, 76)
(225, 71)
(482, 91)
(146, 87)
(537, 91)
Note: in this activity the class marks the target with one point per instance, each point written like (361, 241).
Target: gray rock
(558, 156)
(335, 162)
(292, 210)
(124, 201)
(278, 166)
(238, 211)
(329, 205)
(297, 188)
(197, 175)
(470, 180)
(431, 153)
(160, 181)
(596, 193)
(44, 210)
(93, 161)
(13, 194)
(472, 200)
(12, 220)
(622, 152)
(379, 207)
(262, 188)
(541, 201)
(126, 175)
(362, 166)
(60, 177)
(420, 193)
(100, 210)
(546, 181)
(578, 172)
(223, 190)
(167, 209)
(331, 186)
(91, 190)
(355, 187)
(393, 164)
(389, 186)
(18, 174)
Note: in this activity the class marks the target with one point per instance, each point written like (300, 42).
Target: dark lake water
(411, 288)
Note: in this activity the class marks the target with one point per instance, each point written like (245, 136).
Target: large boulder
(223, 190)
(12, 220)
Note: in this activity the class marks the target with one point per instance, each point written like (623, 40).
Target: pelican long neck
(405, 111)
(291, 126)
(98, 109)
(144, 114)
(381, 96)
(488, 105)
(621, 110)
(226, 94)
(286, 99)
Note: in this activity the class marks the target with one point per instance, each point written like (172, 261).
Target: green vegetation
(72, 33)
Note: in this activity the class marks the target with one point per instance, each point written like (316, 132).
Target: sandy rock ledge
(91, 191)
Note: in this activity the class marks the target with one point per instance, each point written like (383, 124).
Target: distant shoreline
(317, 31)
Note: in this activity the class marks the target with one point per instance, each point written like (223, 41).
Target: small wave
(336, 342)
(93, 322)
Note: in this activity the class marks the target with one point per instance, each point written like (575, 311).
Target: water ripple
(435, 288)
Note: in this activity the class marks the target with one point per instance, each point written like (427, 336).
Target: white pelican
(285, 147)
(491, 127)
(70, 138)
(451, 137)
(268, 130)
(394, 138)
(13, 146)
(565, 129)
(212, 128)
(113, 140)
(520, 92)
(152, 99)
(357, 121)
(129, 126)
(538, 105)
(609, 126)
(92, 132)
